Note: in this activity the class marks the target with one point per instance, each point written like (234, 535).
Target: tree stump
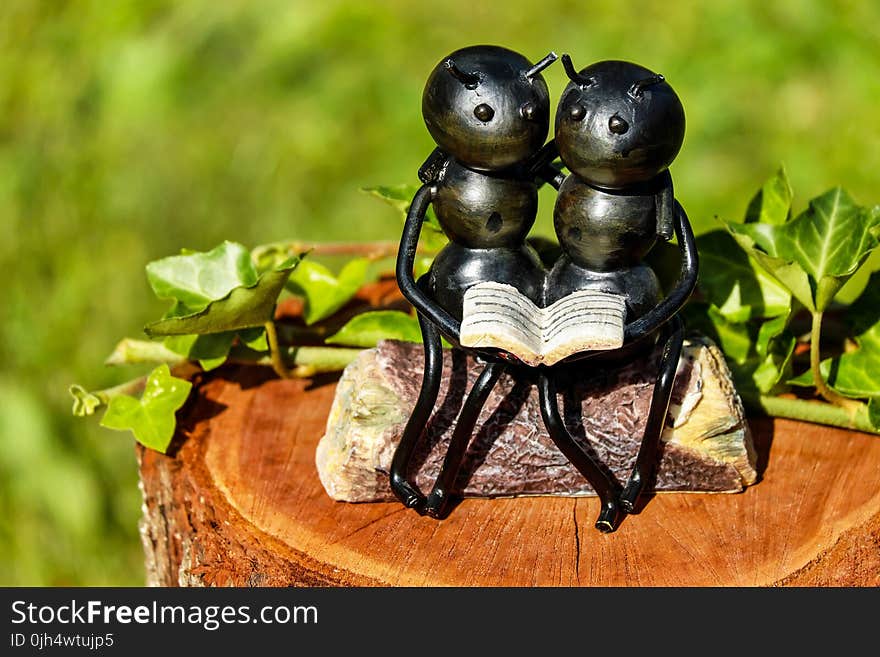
(238, 502)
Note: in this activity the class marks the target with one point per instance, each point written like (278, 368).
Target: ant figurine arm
(550, 174)
(687, 280)
(406, 256)
(542, 166)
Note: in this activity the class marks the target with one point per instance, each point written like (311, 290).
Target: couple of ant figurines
(618, 128)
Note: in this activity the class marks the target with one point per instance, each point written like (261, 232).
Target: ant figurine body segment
(618, 127)
(488, 110)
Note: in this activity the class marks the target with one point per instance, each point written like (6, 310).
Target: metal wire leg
(647, 458)
(601, 482)
(438, 500)
(406, 491)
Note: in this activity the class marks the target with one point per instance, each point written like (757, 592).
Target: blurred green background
(129, 130)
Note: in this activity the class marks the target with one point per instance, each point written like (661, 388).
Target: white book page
(498, 316)
(583, 321)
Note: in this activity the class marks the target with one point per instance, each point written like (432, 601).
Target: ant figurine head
(488, 106)
(618, 123)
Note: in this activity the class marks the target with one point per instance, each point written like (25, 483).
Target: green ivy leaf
(735, 283)
(209, 350)
(733, 337)
(772, 203)
(84, 402)
(857, 373)
(243, 307)
(325, 293)
(874, 413)
(788, 274)
(768, 332)
(818, 251)
(254, 339)
(758, 353)
(400, 198)
(194, 280)
(422, 266)
(367, 329)
(150, 418)
(774, 348)
(269, 257)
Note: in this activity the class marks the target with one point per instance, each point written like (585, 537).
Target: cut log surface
(239, 502)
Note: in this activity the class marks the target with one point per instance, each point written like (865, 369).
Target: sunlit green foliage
(130, 130)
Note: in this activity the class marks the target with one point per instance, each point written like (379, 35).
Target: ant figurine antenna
(638, 87)
(540, 66)
(574, 76)
(469, 80)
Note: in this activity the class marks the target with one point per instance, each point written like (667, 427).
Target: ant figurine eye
(577, 112)
(484, 112)
(528, 111)
(617, 125)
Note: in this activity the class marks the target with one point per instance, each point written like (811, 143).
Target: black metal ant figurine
(618, 128)
(488, 110)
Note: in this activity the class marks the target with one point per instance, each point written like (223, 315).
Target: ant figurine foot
(608, 517)
(437, 505)
(631, 493)
(408, 495)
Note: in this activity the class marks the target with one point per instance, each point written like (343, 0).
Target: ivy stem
(850, 405)
(370, 250)
(275, 353)
(310, 361)
(811, 411)
(133, 387)
(306, 361)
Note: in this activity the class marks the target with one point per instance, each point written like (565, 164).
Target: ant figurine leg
(405, 491)
(602, 483)
(438, 500)
(647, 457)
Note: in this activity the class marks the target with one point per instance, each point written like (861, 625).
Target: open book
(498, 316)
